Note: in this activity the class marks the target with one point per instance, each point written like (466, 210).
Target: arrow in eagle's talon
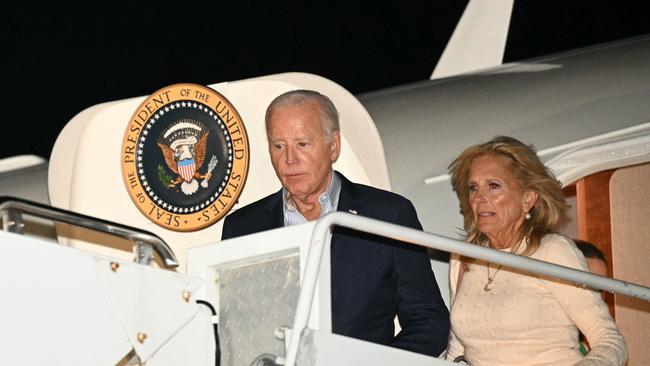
(211, 166)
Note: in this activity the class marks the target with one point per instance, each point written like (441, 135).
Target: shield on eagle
(186, 169)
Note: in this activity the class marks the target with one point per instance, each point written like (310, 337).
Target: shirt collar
(328, 200)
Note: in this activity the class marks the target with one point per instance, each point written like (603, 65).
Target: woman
(502, 316)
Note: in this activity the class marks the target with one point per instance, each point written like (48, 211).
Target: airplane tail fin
(479, 39)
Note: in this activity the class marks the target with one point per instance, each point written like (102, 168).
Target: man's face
(597, 266)
(300, 151)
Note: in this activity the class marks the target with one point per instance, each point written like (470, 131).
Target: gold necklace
(490, 278)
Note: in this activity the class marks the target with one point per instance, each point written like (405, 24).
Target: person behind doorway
(501, 316)
(594, 256)
(373, 279)
(598, 265)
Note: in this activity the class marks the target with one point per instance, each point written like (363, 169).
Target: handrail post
(143, 252)
(321, 236)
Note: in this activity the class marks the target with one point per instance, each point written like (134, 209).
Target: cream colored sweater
(530, 320)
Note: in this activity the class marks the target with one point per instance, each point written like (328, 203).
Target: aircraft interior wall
(630, 215)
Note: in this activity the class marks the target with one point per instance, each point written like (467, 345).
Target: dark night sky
(58, 60)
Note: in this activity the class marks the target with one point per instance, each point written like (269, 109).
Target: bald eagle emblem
(183, 147)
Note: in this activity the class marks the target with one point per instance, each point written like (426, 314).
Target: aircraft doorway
(611, 209)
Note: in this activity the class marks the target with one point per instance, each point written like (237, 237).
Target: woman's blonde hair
(531, 175)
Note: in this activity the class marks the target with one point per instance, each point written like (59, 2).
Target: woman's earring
(527, 216)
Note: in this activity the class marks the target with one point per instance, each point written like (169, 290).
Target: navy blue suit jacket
(373, 278)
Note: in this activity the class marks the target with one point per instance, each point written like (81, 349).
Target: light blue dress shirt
(328, 200)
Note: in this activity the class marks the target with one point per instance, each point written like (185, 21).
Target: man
(595, 258)
(373, 278)
(597, 264)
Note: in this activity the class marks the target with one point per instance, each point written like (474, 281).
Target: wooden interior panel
(594, 218)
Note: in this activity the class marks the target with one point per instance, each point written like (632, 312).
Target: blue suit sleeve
(422, 313)
(226, 231)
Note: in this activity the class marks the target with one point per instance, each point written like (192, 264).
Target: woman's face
(497, 200)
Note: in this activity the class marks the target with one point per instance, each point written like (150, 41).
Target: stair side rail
(12, 210)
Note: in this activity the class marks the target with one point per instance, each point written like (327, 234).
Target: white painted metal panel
(55, 309)
(318, 348)
(149, 301)
(64, 306)
(192, 345)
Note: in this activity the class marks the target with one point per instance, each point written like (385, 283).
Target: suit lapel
(349, 196)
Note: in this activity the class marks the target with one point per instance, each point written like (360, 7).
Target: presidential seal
(185, 157)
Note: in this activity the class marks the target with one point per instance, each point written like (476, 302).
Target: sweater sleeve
(584, 307)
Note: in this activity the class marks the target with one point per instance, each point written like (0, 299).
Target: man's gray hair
(329, 114)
